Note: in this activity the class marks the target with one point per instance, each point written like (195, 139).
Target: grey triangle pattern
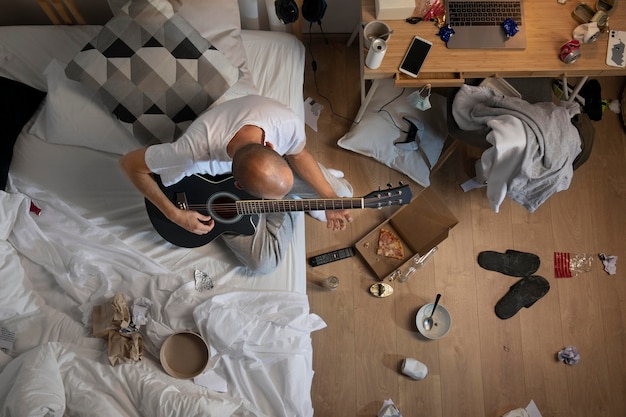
(157, 69)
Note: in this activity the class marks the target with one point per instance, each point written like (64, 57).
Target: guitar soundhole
(223, 208)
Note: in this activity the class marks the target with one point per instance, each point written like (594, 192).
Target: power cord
(383, 110)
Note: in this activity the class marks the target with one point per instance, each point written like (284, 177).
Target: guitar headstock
(390, 197)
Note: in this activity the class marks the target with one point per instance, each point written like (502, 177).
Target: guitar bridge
(181, 201)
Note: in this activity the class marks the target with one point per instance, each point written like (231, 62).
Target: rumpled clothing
(534, 145)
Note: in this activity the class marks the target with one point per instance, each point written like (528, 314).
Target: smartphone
(415, 56)
(615, 51)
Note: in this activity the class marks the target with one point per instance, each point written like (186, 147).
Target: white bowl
(184, 355)
(441, 321)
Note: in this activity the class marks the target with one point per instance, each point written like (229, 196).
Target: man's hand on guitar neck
(193, 222)
(338, 219)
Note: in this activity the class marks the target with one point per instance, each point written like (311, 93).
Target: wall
(342, 16)
(28, 12)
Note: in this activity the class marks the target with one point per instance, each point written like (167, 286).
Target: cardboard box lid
(424, 223)
(420, 225)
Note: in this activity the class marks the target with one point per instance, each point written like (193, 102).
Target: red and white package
(568, 265)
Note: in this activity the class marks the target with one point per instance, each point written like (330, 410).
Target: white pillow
(152, 69)
(376, 134)
(71, 115)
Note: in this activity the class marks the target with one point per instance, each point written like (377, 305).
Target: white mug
(374, 30)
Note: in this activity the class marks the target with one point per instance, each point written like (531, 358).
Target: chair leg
(471, 155)
(449, 147)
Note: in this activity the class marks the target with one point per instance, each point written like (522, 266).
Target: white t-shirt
(202, 148)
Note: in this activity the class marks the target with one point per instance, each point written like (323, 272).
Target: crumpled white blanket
(534, 145)
(270, 340)
(50, 279)
(57, 379)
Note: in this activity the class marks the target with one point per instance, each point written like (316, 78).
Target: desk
(549, 26)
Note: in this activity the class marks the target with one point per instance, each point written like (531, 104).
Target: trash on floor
(389, 409)
(569, 355)
(531, 410)
(568, 265)
(609, 262)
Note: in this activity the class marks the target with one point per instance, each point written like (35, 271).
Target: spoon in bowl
(428, 321)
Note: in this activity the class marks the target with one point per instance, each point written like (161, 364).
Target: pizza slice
(389, 245)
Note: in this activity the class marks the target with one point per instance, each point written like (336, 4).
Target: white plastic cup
(414, 369)
(375, 30)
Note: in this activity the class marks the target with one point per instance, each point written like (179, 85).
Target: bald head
(262, 172)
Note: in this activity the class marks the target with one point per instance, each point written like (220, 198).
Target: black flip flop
(524, 293)
(512, 262)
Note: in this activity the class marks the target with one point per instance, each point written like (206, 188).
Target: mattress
(92, 239)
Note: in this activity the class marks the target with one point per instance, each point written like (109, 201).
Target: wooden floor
(485, 366)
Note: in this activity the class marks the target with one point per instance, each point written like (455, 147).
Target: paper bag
(111, 316)
(125, 347)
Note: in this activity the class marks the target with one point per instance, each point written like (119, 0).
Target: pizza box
(420, 225)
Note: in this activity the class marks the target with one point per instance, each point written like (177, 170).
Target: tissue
(569, 355)
(609, 262)
(389, 409)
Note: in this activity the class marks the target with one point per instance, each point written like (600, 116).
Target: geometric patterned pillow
(153, 71)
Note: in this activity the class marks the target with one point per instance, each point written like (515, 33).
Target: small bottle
(331, 283)
(406, 275)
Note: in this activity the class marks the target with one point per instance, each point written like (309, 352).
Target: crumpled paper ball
(518, 412)
(389, 409)
(569, 355)
(609, 262)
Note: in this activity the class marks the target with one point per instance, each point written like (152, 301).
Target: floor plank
(485, 366)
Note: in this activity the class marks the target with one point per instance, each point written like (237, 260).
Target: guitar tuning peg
(400, 183)
(389, 185)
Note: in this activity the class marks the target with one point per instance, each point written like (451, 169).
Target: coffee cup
(374, 30)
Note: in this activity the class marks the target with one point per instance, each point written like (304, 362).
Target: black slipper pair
(526, 291)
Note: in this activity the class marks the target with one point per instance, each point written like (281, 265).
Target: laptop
(478, 24)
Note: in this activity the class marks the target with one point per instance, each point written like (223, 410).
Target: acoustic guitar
(234, 210)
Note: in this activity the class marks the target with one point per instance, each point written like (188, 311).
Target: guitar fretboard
(278, 206)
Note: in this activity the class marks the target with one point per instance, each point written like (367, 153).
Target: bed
(75, 233)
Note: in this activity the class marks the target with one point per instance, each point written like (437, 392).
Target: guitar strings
(292, 204)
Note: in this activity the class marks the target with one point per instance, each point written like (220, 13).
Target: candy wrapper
(510, 27)
(569, 355)
(435, 11)
(567, 265)
(445, 33)
(203, 281)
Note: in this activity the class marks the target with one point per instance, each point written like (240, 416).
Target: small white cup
(375, 29)
(414, 368)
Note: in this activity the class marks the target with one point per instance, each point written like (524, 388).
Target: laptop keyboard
(483, 13)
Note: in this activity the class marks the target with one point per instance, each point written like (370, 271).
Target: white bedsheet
(93, 239)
